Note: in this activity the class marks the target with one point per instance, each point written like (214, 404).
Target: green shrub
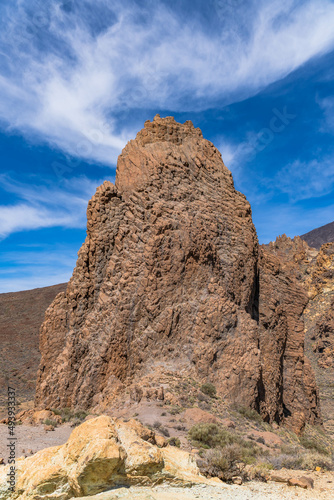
(56, 411)
(210, 435)
(209, 389)
(313, 444)
(213, 436)
(175, 410)
(67, 414)
(249, 413)
(49, 421)
(80, 415)
(174, 441)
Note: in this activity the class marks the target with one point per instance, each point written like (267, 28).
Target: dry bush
(223, 463)
(209, 389)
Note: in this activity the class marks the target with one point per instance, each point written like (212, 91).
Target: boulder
(100, 454)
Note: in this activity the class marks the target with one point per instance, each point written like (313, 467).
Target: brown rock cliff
(168, 277)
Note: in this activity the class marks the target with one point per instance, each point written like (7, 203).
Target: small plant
(313, 444)
(157, 425)
(163, 414)
(164, 431)
(80, 415)
(209, 389)
(48, 421)
(75, 422)
(249, 413)
(175, 410)
(174, 441)
(67, 414)
(56, 411)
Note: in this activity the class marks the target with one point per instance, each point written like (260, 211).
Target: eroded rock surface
(314, 271)
(169, 277)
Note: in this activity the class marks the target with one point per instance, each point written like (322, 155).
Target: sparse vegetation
(313, 444)
(213, 436)
(223, 453)
(164, 431)
(67, 414)
(209, 389)
(174, 441)
(49, 421)
(175, 410)
(248, 413)
(226, 462)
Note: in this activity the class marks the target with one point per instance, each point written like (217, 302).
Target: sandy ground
(31, 439)
(248, 491)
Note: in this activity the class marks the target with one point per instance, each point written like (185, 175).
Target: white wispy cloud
(67, 74)
(302, 180)
(43, 265)
(44, 206)
(327, 105)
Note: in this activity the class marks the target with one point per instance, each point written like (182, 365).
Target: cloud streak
(69, 70)
(43, 207)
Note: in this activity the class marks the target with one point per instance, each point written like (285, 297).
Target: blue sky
(79, 78)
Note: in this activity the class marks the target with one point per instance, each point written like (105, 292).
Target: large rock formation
(168, 277)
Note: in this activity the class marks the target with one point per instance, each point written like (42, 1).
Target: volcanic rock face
(314, 271)
(168, 277)
(287, 377)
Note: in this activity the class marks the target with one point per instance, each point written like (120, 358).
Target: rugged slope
(168, 279)
(319, 236)
(21, 315)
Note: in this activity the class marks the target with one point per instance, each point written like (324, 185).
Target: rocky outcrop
(314, 271)
(287, 377)
(100, 454)
(168, 277)
(323, 337)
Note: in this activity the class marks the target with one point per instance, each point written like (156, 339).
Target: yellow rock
(39, 416)
(142, 458)
(101, 453)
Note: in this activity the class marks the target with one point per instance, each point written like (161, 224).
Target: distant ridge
(21, 315)
(319, 236)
